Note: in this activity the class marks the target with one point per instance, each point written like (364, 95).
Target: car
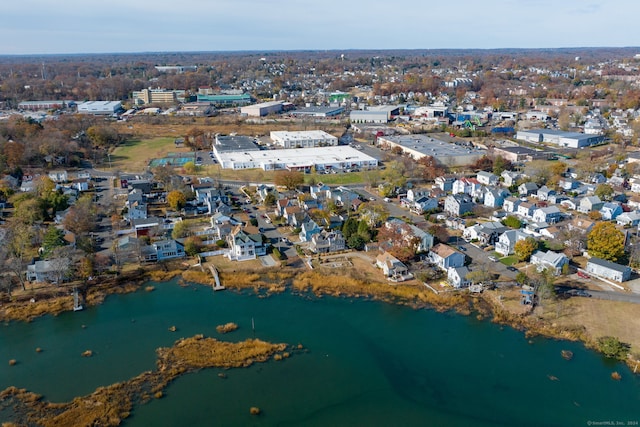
(492, 258)
(462, 248)
(512, 268)
(261, 230)
(373, 199)
(386, 199)
(583, 293)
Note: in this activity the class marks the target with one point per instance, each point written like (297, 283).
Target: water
(368, 363)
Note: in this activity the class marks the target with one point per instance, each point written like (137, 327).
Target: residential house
(556, 199)
(608, 270)
(550, 215)
(469, 186)
(414, 194)
(243, 246)
(507, 241)
(47, 271)
(527, 188)
(445, 256)
(610, 211)
(59, 176)
(410, 232)
(281, 205)
(511, 204)
(319, 191)
(458, 204)
(308, 229)
(544, 193)
(223, 225)
(526, 209)
(571, 204)
(487, 178)
(629, 219)
(341, 196)
(616, 181)
(327, 241)
(598, 178)
(510, 178)
(550, 260)
(635, 184)
(568, 184)
(581, 224)
(552, 232)
(445, 183)
(495, 198)
(162, 250)
(423, 204)
(486, 233)
(590, 203)
(146, 226)
(390, 265)
(457, 277)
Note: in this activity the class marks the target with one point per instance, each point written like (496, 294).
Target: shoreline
(265, 282)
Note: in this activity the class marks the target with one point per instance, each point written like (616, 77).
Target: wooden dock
(216, 285)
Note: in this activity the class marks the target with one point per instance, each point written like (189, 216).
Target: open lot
(134, 155)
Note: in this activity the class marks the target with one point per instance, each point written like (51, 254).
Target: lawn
(509, 260)
(134, 155)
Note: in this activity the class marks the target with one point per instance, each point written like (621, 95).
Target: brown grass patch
(226, 328)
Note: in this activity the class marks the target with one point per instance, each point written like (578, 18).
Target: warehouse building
(303, 139)
(376, 114)
(233, 143)
(45, 105)
(559, 138)
(222, 100)
(339, 158)
(100, 107)
(262, 109)
(520, 154)
(446, 153)
(322, 112)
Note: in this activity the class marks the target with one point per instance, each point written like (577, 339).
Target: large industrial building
(224, 99)
(559, 138)
(376, 114)
(100, 107)
(446, 153)
(157, 96)
(302, 159)
(322, 112)
(303, 139)
(45, 105)
(232, 143)
(262, 109)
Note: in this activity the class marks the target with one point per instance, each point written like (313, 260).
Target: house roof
(549, 257)
(608, 264)
(443, 251)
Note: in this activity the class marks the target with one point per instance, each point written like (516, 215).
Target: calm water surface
(368, 363)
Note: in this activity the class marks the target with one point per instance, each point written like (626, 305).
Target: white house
(458, 204)
(457, 277)
(550, 215)
(525, 209)
(549, 260)
(507, 241)
(608, 270)
(487, 178)
(241, 246)
(610, 211)
(527, 188)
(629, 218)
(590, 203)
(511, 204)
(495, 198)
(390, 265)
(509, 178)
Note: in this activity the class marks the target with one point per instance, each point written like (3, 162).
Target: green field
(509, 260)
(135, 154)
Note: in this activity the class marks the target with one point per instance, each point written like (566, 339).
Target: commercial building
(376, 114)
(419, 146)
(225, 100)
(157, 96)
(175, 68)
(262, 109)
(303, 159)
(559, 138)
(322, 112)
(100, 107)
(233, 143)
(519, 154)
(303, 139)
(45, 105)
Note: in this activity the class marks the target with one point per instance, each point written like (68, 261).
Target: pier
(216, 285)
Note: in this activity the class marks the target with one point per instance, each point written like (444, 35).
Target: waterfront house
(327, 241)
(162, 250)
(244, 246)
(390, 265)
(42, 271)
(457, 277)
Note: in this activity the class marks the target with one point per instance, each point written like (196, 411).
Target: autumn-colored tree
(399, 241)
(606, 241)
(440, 233)
(192, 245)
(289, 179)
(483, 163)
(176, 200)
(604, 191)
(595, 215)
(81, 218)
(430, 168)
(523, 249)
(501, 164)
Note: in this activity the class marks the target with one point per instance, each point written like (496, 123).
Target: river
(367, 363)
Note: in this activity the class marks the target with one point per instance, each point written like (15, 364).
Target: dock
(216, 286)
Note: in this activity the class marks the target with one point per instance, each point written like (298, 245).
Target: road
(607, 295)
(478, 256)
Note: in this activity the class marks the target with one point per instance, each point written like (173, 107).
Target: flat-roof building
(317, 111)
(322, 158)
(375, 114)
(157, 96)
(559, 138)
(519, 154)
(262, 109)
(303, 139)
(45, 105)
(232, 143)
(225, 100)
(446, 153)
(100, 107)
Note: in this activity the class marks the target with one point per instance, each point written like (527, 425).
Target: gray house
(608, 270)
(458, 204)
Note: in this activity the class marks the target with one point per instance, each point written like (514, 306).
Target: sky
(91, 26)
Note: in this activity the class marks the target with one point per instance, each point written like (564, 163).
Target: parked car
(492, 258)
(512, 268)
